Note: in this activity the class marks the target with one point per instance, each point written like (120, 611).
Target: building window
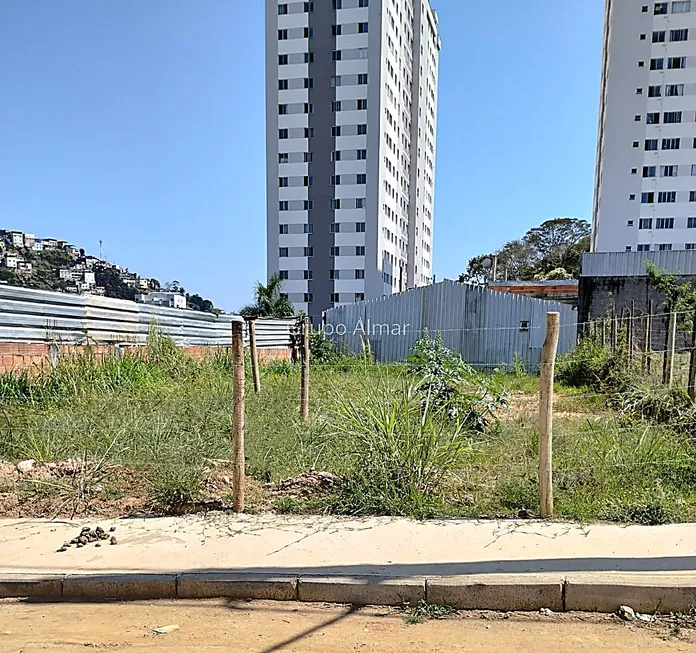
(681, 7)
(334, 274)
(308, 298)
(664, 247)
(335, 251)
(283, 157)
(308, 275)
(693, 169)
(335, 180)
(308, 6)
(672, 117)
(337, 4)
(690, 246)
(643, 248)
(692, 196)
(335, 227)
(309, 205)
(335, 204)
(360, 203)
(644, 9)
(283, 228)
(360, 274)
(362, 28)
(362, 78)
(657, 64)
(283, 206)
(362, 130)
(629, 223)
(336, 131)
(308, 228)
(641, 64)
(362, 155)
(653, 118)
(361, 178)
(661, 8)
(363, 3)
(658, 37)
(691, 223)
(631, 197)
(282, 182)
(649, 171)
(667, 197)
(664, 223)
(634, 171)
(650, 144)
(309, 57)
(675, 63)
(639, 91)
(642, 37)
(282, 109)
(308, 32)
(307, 181)
(628, 248)
(282, 59)
(679, 35)
(360, 250)
(309, 132)
(282, 34)
(282, 84)
(669, 171)
(654, 91)
(282, 133)
(283, 252)
(335, 30)
(308, 157)
(645, 223)
(308, 251)
(335, 55)
(360, 227)
(647, 198)
(362, 105)
(309, 82)
(282, 9)
(334, 298)
(336, 105)
(670, 143)
(359, 296)
(336, 155)
(636, 144)
(283, 274)
(673, 90)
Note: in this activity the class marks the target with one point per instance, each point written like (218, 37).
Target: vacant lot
(153, 433)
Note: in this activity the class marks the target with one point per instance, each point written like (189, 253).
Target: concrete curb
(525, 592)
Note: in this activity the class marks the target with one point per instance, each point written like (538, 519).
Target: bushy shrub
(593, 365)
(451, 385)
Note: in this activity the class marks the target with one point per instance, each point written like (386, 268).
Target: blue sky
(141, 123)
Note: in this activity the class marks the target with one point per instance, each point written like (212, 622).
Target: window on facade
(690, 246)
(664, 247)
(672, 117)
(308, 228)
(361, 155)
(308, 297)
(681, 6)
(362, 78)
(360, 250)
(643, 248)
(674, 63)
(282, 133)
(691, 223)
(282, 34)
(335, 204)
(693, 169)
(336, 131)
(362, 105)
(362, 130)
(309, 57)
(650, 144)
(360, 227)
(667, 197)
(335, 55)
(282, 9)
(282, 84)
(359, 296)
(336, 105)
(629, 223)
(654, 91)
(336, 30)
(283, 157)
(308, 32)
(283, 274)
(360, 274)
(635, 144)
(337, 4)
(308, 6)
(653, 118)
(362, 28)
(307, 181)
(283, 228)
(679, 35)
(670, 143)
(645, 223)
(282, 109)
(309, 132)
(669, 171)
(692, 196)
(673, 90)
(664, 223)
(335, 227)
(361, 178)
(648, 171)
(308, 251)
(282, 182)
(283, 252)
(641, 64)
(661, 8)
(334, 274)
(360, 203)
(639, 91)
(334, 298)
(308, 275)
(363, 3)
(658, 37)
(335, 81)
(282, 206)
(282, 59)
(647, 198)
(308, 157)
(335, 180)
(336, 155)
(335, 251)
(308, 205)
(309, 82)
(628, 248)
(657, 64)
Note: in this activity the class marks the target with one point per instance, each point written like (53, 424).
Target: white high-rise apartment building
(645, 186)
(351, 113)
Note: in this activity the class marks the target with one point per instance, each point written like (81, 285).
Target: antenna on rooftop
(101, 251)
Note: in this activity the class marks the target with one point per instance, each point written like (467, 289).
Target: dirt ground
(262, 627)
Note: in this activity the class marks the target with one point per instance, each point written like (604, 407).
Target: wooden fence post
(648, 338)
(614, 328)
(692, 362)
(238, 416)
(668, 367)
(304, 383)
(253, 355)
(604, 331)
(548, 362)
(629, 332)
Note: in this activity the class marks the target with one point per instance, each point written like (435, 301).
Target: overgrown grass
(167, 417)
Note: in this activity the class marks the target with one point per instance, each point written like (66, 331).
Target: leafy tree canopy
(269, 301)
(550, 251)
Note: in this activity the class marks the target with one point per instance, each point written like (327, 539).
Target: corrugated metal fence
(490, 329)
(29, 315)
(633, 264)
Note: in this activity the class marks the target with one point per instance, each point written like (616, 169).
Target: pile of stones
(88, 535)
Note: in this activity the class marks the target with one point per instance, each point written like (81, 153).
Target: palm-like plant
(268, 300)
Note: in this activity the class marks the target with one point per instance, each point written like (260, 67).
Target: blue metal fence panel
(490, 329)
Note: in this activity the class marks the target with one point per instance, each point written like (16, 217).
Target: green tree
(550, 251)
(197, 303)
(268, 300)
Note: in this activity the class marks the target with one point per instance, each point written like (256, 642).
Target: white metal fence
(30, 315)
(490, 329)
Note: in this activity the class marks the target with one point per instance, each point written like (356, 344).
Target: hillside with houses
(51, 264)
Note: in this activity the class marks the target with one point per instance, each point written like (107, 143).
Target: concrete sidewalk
(506, 565)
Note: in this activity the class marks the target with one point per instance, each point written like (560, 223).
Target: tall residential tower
(645, 186)
(351, 113)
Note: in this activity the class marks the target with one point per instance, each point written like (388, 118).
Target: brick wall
(20, 356)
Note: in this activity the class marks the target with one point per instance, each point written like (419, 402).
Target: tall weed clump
(452, 386)
(400, 446)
